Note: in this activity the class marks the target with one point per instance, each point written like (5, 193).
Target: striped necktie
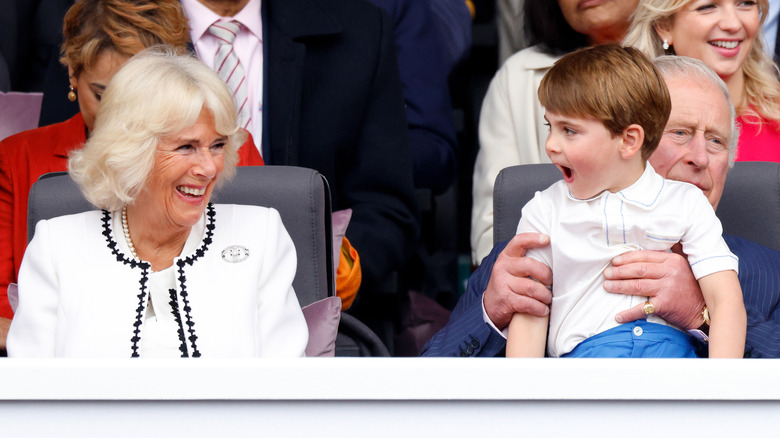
(229, 68)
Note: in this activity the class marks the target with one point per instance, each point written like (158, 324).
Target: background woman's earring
(666, 45)
(71, 95)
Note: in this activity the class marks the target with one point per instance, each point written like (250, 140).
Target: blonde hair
(156, 94)
(122, 26)
(762, 88)
(617, 85)
(683, 67)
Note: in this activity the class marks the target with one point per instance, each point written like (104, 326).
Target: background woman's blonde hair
(156, 94)
(123, 26)
(762, 88)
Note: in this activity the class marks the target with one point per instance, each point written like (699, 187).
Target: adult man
(327, 96)
(697, 147)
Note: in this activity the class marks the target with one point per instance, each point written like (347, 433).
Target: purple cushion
(19, 112)
(340, 221)
(323, 318)
(13, 296)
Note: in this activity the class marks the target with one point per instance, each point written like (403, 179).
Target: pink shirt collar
(200, 18)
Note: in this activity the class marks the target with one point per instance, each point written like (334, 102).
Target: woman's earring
(666, 45)
(71, 94)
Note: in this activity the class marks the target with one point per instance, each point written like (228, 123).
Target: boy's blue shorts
(637, 339)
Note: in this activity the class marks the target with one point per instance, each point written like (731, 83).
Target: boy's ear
(633, 139)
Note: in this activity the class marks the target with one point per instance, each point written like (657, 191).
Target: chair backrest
(301, 196)
(750, 205)
(514, 187)
(749, 208)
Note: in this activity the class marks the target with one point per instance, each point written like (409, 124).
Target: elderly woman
(726, 35)
(511, 125)
(99, 37)
(159, 271)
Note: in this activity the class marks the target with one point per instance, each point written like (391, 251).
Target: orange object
(348, 275)
(471, 7)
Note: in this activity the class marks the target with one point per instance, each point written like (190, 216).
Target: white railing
(373, 397)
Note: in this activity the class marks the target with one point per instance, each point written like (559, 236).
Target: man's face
(694, 146)
(600, 20)
(224, 8)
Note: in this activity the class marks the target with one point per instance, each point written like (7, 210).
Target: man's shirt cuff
(487, 320)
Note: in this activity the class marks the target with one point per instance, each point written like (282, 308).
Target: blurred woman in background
(728, 36)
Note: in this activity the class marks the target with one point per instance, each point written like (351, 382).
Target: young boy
(606, 107)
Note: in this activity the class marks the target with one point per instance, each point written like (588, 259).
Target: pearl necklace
(126, 232)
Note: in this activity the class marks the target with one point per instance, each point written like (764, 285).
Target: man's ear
(663, 28)
(633, 138)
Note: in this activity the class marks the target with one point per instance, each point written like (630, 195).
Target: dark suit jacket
(424, 72)
(333, 102)
(8, 41)
(5, 77)
(467, 334)
(30, 30)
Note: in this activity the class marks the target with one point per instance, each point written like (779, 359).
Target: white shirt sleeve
(487, 320)
(536, 217)
(703, 240)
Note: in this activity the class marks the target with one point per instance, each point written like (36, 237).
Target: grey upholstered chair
(302, 198)
(749, 208)
(300, 195)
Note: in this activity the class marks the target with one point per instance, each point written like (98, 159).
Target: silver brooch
(235, 254)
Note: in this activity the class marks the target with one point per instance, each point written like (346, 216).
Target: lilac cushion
(13, 296)
(19, 112)
(323, 318)
(340, 221)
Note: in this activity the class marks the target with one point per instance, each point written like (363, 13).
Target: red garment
(26, 156)
(758, 146)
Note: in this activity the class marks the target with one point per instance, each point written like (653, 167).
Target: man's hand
(664, 277)
(510, 290)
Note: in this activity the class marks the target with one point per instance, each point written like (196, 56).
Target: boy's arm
(527, 336)
(723, 296)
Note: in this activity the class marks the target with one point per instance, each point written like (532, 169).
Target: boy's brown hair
(614, 84)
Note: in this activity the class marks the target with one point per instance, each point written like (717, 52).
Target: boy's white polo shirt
(585, 235)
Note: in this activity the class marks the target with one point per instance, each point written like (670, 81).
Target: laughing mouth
(725, 44)
(191, 191)
(566, 172)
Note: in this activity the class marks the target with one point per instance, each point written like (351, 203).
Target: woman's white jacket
(81, 295)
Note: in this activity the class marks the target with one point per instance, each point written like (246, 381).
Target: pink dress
(758, 146)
